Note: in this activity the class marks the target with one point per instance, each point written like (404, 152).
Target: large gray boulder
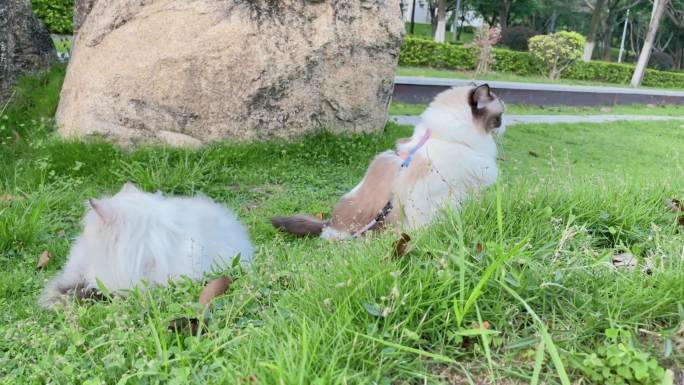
(25, 44)
(81, 10)
(188, 72)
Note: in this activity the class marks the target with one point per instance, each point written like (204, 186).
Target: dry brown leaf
(43, 259)
(214, 289)
(401, 246)
(532, 153)
(185, 325)
(626, 260)
(675, 205)
(319, 216)
(10, 198)
(485, 325)
(479, 248)
(681, 220)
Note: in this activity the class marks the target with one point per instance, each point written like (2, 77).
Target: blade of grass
(546, 337)
(538, 361)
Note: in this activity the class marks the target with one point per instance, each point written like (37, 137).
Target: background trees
(601, 22)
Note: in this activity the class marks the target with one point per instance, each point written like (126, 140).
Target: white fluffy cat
(135, 236)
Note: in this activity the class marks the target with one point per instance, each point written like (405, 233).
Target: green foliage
(557, 51)
(57, 15)
(422, 52)
(519, 63)
(620, 362)
(418, 52)
(32, 104)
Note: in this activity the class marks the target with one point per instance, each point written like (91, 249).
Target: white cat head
(111, 222)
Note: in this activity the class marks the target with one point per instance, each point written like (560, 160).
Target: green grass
(398, 108)
(500, 76)
(314, 312)
(425, 31)
(62, 44)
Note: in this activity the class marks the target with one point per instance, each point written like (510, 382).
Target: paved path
(412, 90)
(428, 81)
(515, 119)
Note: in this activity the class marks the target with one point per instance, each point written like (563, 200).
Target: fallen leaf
(532, 153)
(681, 220)
(319, 216)
(479, 248)
(10, 198)
(485, 325)
(401, 246)
(626, 260)
(373, 309)
(674, 205)
(43, 259)
(186, 325)
(214, 289)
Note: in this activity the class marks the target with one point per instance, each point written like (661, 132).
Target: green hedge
(426, 53)
(56, 14)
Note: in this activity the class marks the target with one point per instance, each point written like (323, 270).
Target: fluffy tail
(300, 224)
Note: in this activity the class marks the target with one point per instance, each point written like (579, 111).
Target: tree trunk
(440, 32)
(608, 35)
(591, 36)
(457, 14)
(504, 10)
(413, 16)
(658, 8)
(552, 21)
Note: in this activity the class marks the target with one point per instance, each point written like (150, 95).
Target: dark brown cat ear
(480, 96)
(103, 210)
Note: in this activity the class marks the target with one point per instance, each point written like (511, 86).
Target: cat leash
(408, 158)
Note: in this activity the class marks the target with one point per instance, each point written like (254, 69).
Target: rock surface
(25, 44)
(187, 72)
(81, 10)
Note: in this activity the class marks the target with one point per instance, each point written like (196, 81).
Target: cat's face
(487, 110)
(464, 112)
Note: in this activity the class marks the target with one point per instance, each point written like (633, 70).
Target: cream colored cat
(451, 153)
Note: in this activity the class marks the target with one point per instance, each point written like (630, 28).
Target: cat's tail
(300, 224)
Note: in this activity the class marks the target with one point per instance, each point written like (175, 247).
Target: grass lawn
(62, 44)
(397, 108)
(425, 31)
(530, 263)
(501, 76)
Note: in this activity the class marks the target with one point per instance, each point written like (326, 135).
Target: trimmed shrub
(519, 63)
(600, 71)
(516, 38)
(661, 61)
(57, 15)
(426, 53)
(557, 51)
